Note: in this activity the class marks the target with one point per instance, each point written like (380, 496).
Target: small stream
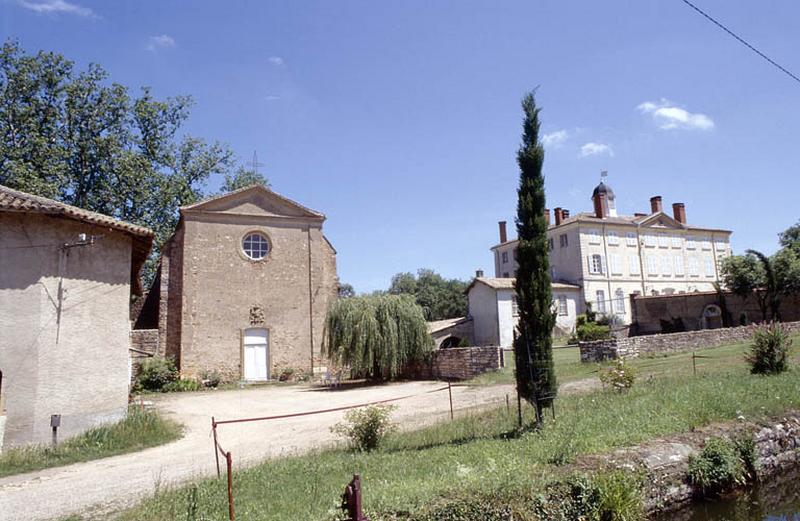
(776, 499)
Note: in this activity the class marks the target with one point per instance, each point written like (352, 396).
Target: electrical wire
(741, 40)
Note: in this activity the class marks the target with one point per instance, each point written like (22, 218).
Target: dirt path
(97, 487)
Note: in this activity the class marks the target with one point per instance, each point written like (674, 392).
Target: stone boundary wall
(632, 347)
(458, 363)
(144, 340)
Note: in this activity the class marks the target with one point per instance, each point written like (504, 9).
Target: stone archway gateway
(712, 317)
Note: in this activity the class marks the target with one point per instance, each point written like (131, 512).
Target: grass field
(569, 367)
(479, 456)
(139, 430)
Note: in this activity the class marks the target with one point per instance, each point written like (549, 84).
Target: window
(677, 241)
(706, 243)
(633, 264)
(615, 263)
(514, 306)
(505, 257)
(613, 238)
(709, 267)
(552, 273)
(563, 241)
(663, 240)
(694, 268)
(562, 305)
(666, 265)
(652, 265)
(690, 244)
(631, 239)
(679, 266)
(596, 264)
(255, 246)
(721, 244)
(516, 254)
(601, 301)
(550, 244)
(505, 275)
(619, 301)
(650, 241)
(594, 236)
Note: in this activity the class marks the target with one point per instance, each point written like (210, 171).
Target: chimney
(679, 212)
(564, 214)
(655, 204)
(547, 216)
(639, 214)
(479, 273)
(558, 215)
(600, 206)
(503, 235)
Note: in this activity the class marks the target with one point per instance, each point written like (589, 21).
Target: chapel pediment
(254, 201)
(661, 220)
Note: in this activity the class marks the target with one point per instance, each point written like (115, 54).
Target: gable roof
(440, 325)
(508, 283)
(21, 202)
(256, 189)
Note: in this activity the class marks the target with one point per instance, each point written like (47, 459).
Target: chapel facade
(243, 287)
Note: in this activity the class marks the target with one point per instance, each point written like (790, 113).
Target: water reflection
(773, 500)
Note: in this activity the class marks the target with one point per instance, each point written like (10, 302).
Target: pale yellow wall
(76, 366)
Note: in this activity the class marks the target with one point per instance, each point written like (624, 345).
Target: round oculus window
(255, 246)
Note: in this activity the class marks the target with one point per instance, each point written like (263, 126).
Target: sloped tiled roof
(15, 201)
(439, 325)
(21, 202)
(508, 283)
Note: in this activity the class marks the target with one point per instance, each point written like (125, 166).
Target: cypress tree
(533, 346)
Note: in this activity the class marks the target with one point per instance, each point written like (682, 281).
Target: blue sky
(400, 120)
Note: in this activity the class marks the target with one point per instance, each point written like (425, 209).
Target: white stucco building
(610, 257)
(494, 314)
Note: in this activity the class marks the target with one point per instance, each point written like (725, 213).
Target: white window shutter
(589, 263)
(603, 267)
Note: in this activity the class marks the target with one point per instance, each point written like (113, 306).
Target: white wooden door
(256, 354)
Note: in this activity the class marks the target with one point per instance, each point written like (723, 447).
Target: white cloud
(56, 7)
(668, 116)
(276, 61)
(595, 149)
(555, 139)
(163, 41)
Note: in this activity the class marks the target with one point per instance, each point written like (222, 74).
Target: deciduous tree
(440, 298)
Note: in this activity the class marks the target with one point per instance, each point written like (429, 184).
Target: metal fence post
(229, 461)
(450, 394)
(216, 446)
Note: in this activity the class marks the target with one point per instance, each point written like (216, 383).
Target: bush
(619, 497)
(769, 353)
(365, 428)
(155, 373)
(286, 374)
(590, 331)
(211, 378)
(620, 376)
(182, 385)
(717, 468)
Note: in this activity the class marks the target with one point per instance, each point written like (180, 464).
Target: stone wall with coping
(458, 363)
(652, 345)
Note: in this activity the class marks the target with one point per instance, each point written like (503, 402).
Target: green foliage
(376, 336)
(619, 497)
(287, 374)
(155, 373)
(439, 298)
(533, 348)
(211, 378)
(591, 331)
(769, 353)
(365, 428)
(346, 290)
(620, 376)
(241, 178)
(182, 385)
(718, 468)
(790, 237)
(77, 137)
(139, 430)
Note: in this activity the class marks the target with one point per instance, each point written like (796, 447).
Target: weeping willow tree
(376, 336)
